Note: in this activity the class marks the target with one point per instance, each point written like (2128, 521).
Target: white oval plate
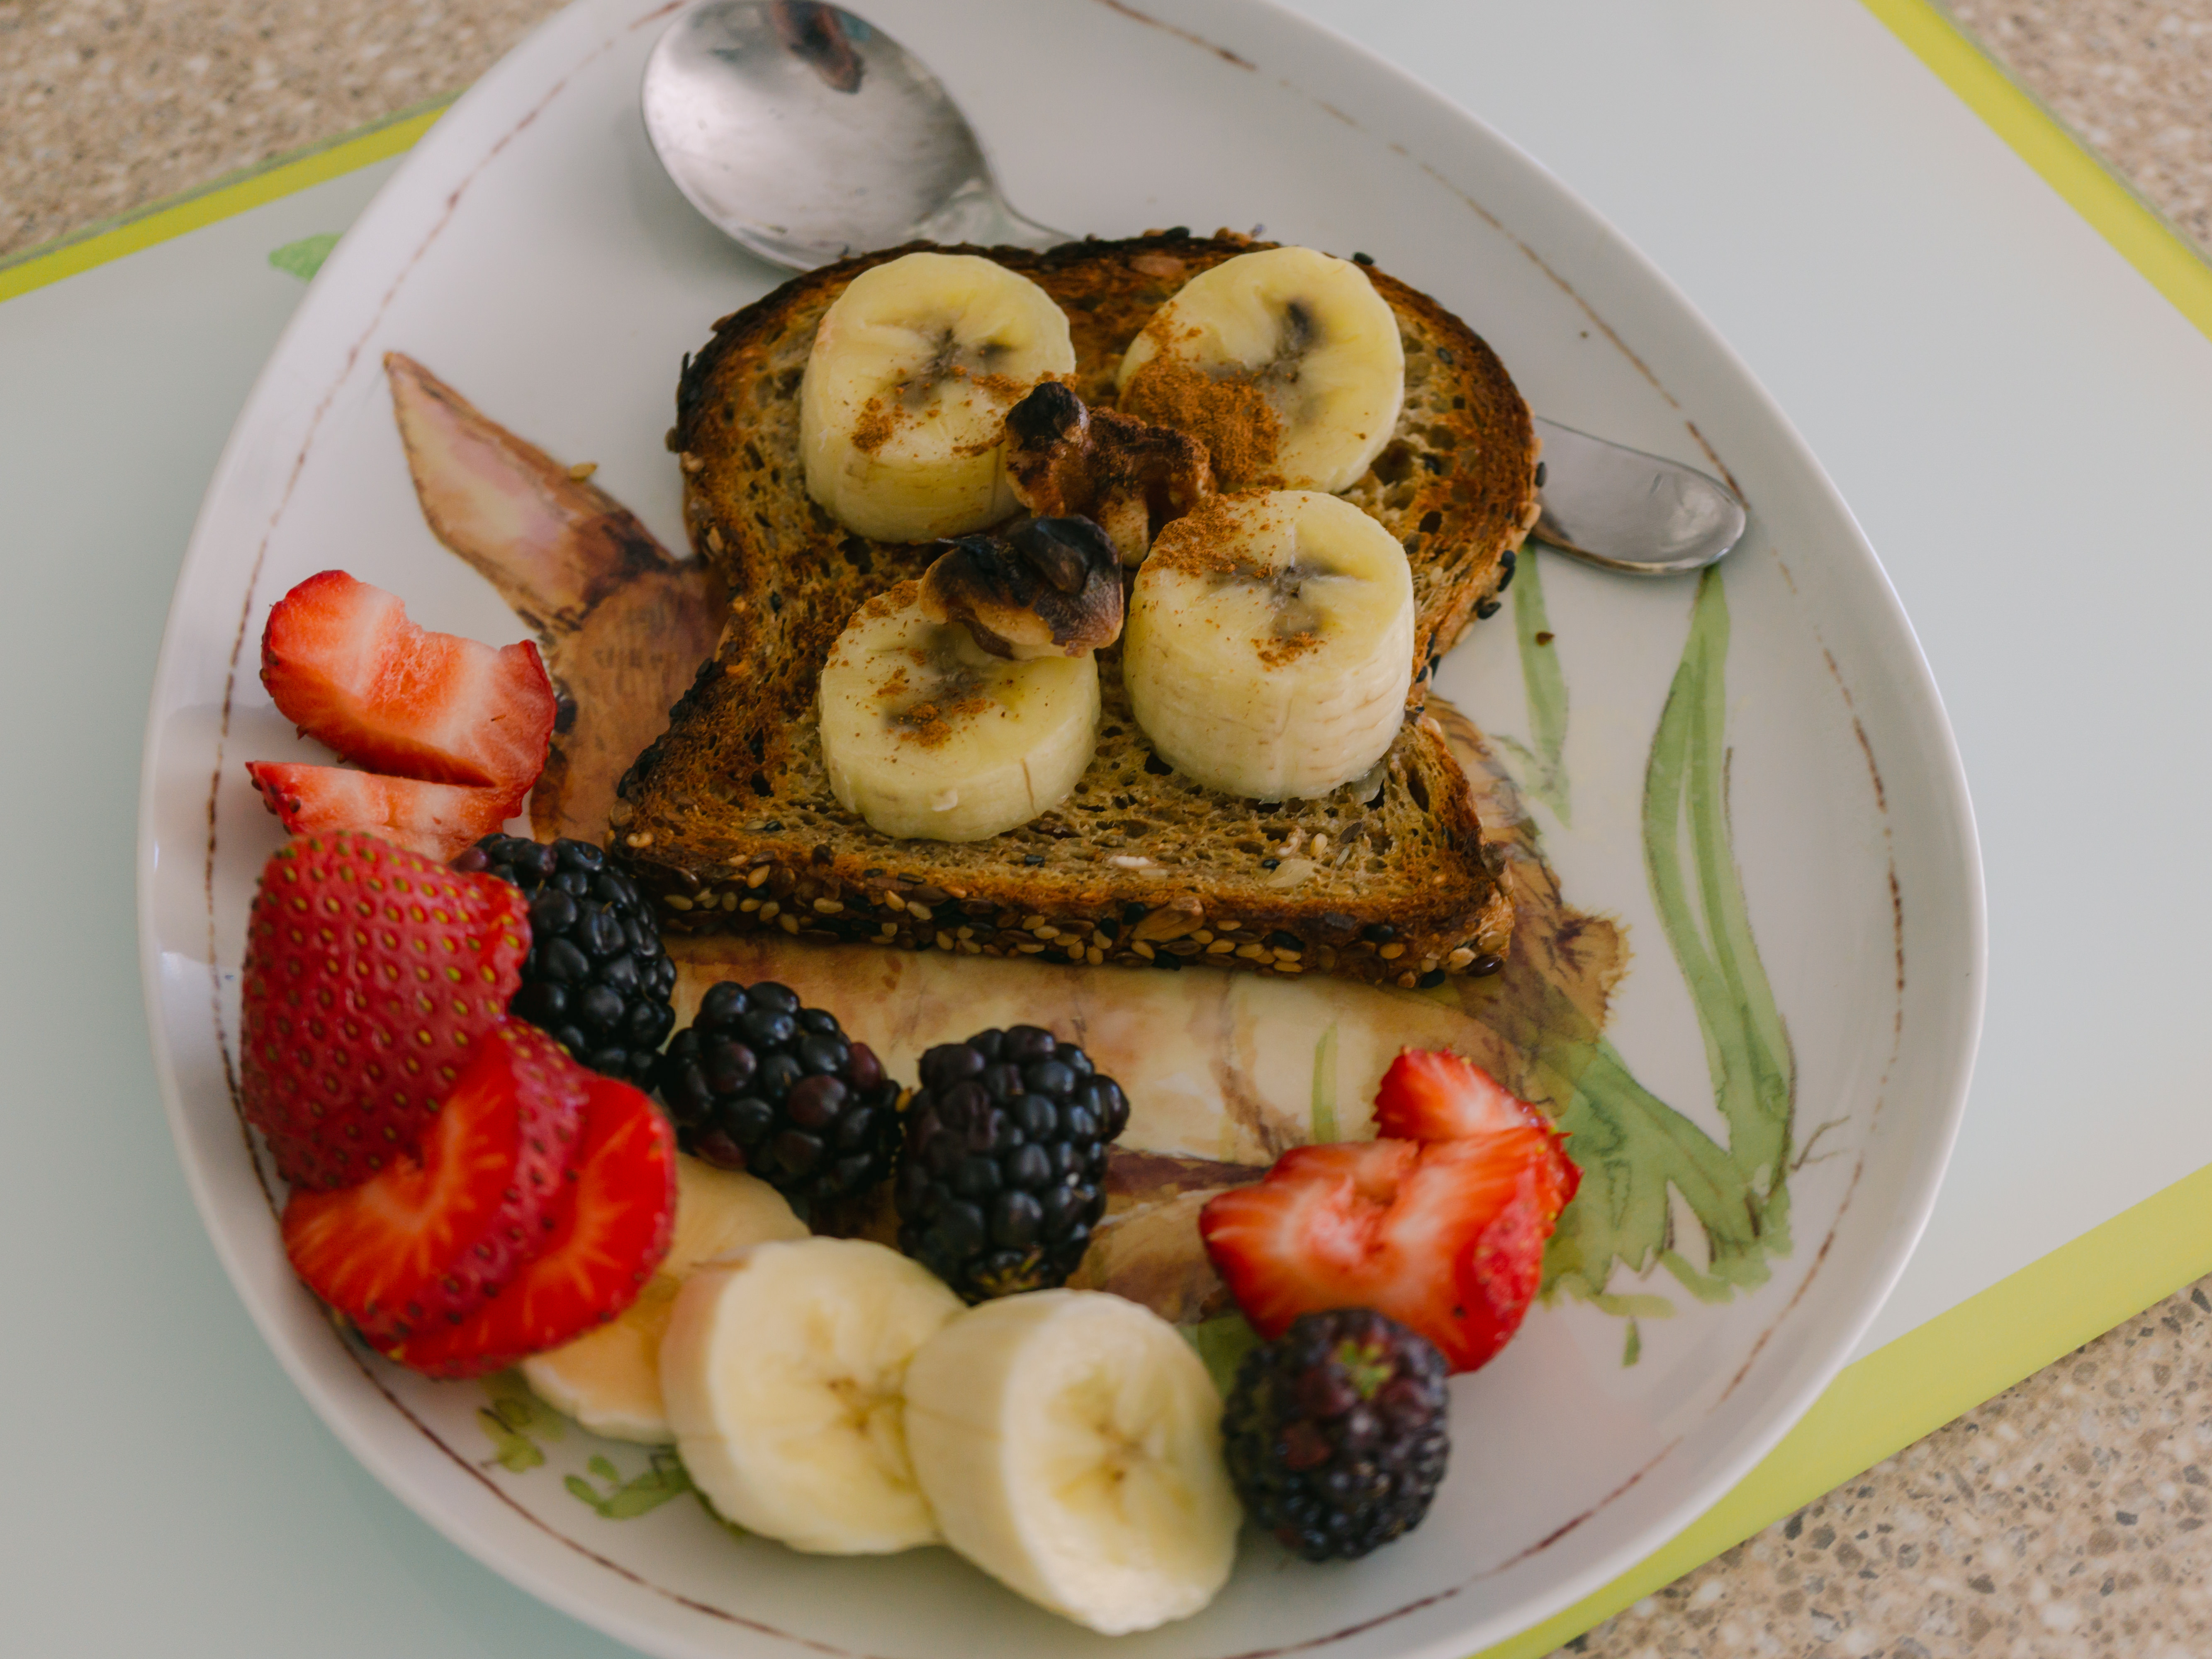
(532, 254)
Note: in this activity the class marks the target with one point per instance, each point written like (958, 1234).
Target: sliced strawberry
(607, 1240)
(1447, 1237)
(425, 1244)
(438, 820)
(346, 666)
(371, 976)
(1433, 1094)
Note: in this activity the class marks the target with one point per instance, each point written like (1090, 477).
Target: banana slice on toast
(926, 733)
(903, 404)
(1287, 363)
(1269, 645)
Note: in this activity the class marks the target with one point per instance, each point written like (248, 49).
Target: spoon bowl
(806, 135)
(1624, 510)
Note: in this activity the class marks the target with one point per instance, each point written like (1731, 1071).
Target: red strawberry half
(1447, 1237)
(607, 1240)
(425, 1244)
(437, 820)
(371, 976)
(1431, 1094)
(346, 666)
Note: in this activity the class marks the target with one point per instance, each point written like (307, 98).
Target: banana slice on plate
(1286, 363)
(901, 411)
(609, 1380)
(1070, 1443)
(925, 733)
(1269, 646)
(783, 1371)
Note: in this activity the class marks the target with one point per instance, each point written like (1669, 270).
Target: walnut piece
(1046, 587)
(1126, 475)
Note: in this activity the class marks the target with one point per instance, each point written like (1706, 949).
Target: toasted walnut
(1048, 588)
(1128, 477)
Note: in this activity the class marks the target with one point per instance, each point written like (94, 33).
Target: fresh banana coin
(1287, 363)
(783, 1370)
(901, 411)
(927, 734)
(1070, 1443)
(1269, 646)
(609, 1380)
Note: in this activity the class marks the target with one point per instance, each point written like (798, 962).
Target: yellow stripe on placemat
(1913, 1386)
(2168, 260)
(97, 244)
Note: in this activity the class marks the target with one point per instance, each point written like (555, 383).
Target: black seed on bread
(728, 817)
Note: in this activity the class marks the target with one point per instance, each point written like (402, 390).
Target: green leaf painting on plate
(1543, 772)
(662, 1479)
(515, 1421)
(1324, 1086)
(1636, 1153)
(304, 257)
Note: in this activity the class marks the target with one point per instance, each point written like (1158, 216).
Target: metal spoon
(805, 134)
(1625, 510)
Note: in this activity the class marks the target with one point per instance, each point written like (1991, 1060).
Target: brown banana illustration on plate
(624, 626)
(1223, 1071)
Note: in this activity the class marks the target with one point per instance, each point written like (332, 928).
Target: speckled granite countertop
(108, 105)
(2065, 1517)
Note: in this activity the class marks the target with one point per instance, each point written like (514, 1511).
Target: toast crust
(728, 817)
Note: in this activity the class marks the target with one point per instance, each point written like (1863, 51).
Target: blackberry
(1336, 1433)
(597, 976)
(757, 1082)
(1003, 1172)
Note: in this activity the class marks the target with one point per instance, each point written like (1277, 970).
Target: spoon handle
(977, 213)
(1628, 510)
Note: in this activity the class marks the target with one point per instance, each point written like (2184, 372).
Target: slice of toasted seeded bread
(729, 818)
